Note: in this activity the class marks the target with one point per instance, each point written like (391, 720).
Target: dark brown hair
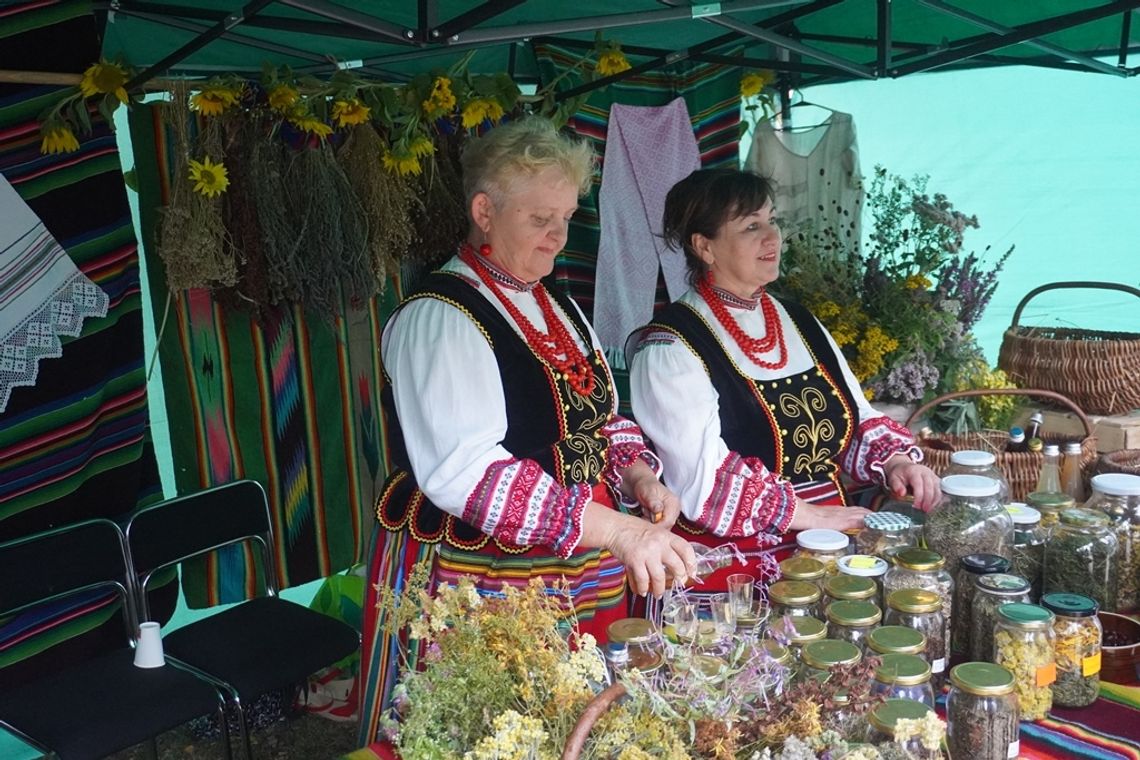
(704, 201)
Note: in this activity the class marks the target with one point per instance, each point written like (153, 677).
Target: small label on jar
(937, 666)
(862, 561)
(1014, 749)
(1046, 674)
(1090, 665)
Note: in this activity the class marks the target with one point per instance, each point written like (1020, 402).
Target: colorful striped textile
(291, 401)
(76, 444)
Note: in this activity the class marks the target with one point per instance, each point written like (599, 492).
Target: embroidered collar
(506, 279)
(735, 301)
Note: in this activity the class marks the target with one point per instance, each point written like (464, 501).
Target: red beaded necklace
(550, 346)
(753, 348)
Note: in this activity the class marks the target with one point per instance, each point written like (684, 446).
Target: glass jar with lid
(982, 715)
(1078, 633)
(1029, 538)
(1050, 504)
(982, 463)
(850, 724)
(803, 569)
(852, 619)
(1080, 557)
(881, 726)
(824, 657)
(1118, 496)
(896, 639)
(795, 598)
(970, 519)
(991, 593)
(969, 568)
(1023, 644)
(851, 587)
(903, 676)
(865, 566)
(883, 531)
(823, 544)
(925, 569)
(922, 610)
(644, 645)
(802, 631)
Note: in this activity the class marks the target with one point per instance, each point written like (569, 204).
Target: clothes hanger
(802, 102)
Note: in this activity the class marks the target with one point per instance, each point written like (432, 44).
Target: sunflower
(213, 101)
(209, 179)
(306, 122)
(611, 62)
(283, 97)
(441, 101)
(402, 162)
(421, 147)
(348, 112)
(477, 110)
(104, 77)
(754, 81)
(58, 138)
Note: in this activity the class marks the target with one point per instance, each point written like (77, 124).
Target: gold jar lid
(913, 558)
(854, 612)
(631, 631)
(898, 639)
(850, 587)
(1049, 501)
(773, 649)
(802, 569)
(793, 592)
(902, 669)
(805, 629)
(914, 600)
(982, 678)
(830, 653)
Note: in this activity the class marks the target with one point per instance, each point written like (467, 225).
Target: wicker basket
(1126, 461)
(594, 710)
(1098, 370)
(1021, 468)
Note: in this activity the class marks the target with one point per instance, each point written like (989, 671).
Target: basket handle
(576, 741)
(1076, 284)
(1041, 393)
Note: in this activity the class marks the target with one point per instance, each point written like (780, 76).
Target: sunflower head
(348, 112)
(214, 100)
(307, 122)
(478, 110)
(104, 78)
(283, 97)
(441, 101)
(57, 137)
(611, 62)
(402, 162)
(210, 179)
(752, 83)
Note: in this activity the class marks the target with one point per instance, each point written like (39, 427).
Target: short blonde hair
(520, 149)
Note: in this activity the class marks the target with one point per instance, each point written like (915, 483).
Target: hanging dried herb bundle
(244, 240)
(441, 221)
(192, 235)
(280, 229)
(386, 199)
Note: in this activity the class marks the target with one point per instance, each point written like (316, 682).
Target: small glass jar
(969, 568)
(1029, 538)
(982, 463)
(1080, 557)
(992, 592)
(849, 587)
(904, 676)
(1118, 496)
(803, 631)
(1023, 644)
(823, 544)
(881, 726)
(795, 598)
(896, 639)
(883, 531)
(1050, 504)
(821, 658)
(851, 620)
(982, 715)
(922, 610)
(970, 519)
(925, 569)
(645, 648)
(803, 569)
(865, 566)
(1077, 646)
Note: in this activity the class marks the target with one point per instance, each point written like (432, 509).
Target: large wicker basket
(1021, 468)
(1099, 370)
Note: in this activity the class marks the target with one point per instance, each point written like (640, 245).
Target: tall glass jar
(823, 657)
(971, 519)
(883, 531)
(851, 620)
(1078, 641)
(1118, 496)
(1081, 557)
(823, 544)
(922, 611)
(1029, 538)
(982, 715)
(881, 725)
(922, 568)
(850, 587)
(803, 569)
(1023, 644)
(795, 598)
(904, 676)
(982, 463)
(992, 592)
(865, 566)
(969, 568)
(896, 639)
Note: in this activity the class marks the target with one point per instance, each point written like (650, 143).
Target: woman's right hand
(837, 518)
(648, 551)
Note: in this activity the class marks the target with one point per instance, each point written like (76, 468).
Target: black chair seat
(104, 705)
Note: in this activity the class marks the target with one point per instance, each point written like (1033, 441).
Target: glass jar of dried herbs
(802, 631)
(969, 568)
(803, 569)
(865, 566)
(849, 723)
(852, 619)
(852, 587)
(883, 531)
(1023, 644)
(795, 598)
(922, 610)
(882, 719)
(823, 544)
(903, 676)
(970, 520)
(1118, 496)
(982, 716)
(896, 639)
(1078, 641)
(984, 463)
(822, 657)
(992, 592)
(925, 569)
(1050, 504)
(1029, 538)
(1080, 557)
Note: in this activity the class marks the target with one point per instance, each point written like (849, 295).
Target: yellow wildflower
(827, 310)
(104, 77)
(306, 122)
(58, 138)
(752, 83)
(869, 394)
(441, 101)
(874, 346)
(917, 282)
(214, 100)
(478, 110)
(209, 179)
(611, 62)
(401, 163)
(283, 97)
(844, 334)
(348, 112)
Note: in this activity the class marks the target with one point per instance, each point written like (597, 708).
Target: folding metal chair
(103, 703)
(259, 645)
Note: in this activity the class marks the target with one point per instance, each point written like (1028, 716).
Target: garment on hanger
(818, 181)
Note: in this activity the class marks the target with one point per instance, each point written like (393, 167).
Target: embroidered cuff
(877, 440)
(747, 499)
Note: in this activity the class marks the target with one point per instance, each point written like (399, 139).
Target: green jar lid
(1050, 501)
(890, 712)
(913, 558)
(914, 600)
(980, 564)
(631, 631)
(777, 651)
(1084, 518)
(900, 639)
(802, 569)
(850, 587)
(1003, 584)
(793, 592)
(854, 612)
(1070, 605)
(828, 653)
(1029, 617)
(902, 669)
(982, 678)
(805, 629)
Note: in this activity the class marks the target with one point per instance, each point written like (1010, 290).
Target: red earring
(485, 249)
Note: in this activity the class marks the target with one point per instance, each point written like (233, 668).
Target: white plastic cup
(148, 650)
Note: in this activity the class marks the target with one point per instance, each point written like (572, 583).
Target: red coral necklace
(753, 348)
(556, 347)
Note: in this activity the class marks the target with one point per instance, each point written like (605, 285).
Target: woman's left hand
(903, 475)
(659, 505)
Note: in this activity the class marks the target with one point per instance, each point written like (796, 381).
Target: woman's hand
(659, 505)
(836, 518)
(649, 552)
(902, 475)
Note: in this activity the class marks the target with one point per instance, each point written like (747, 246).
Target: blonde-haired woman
(508, 453)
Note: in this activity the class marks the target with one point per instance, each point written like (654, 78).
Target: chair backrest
(189, 526)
